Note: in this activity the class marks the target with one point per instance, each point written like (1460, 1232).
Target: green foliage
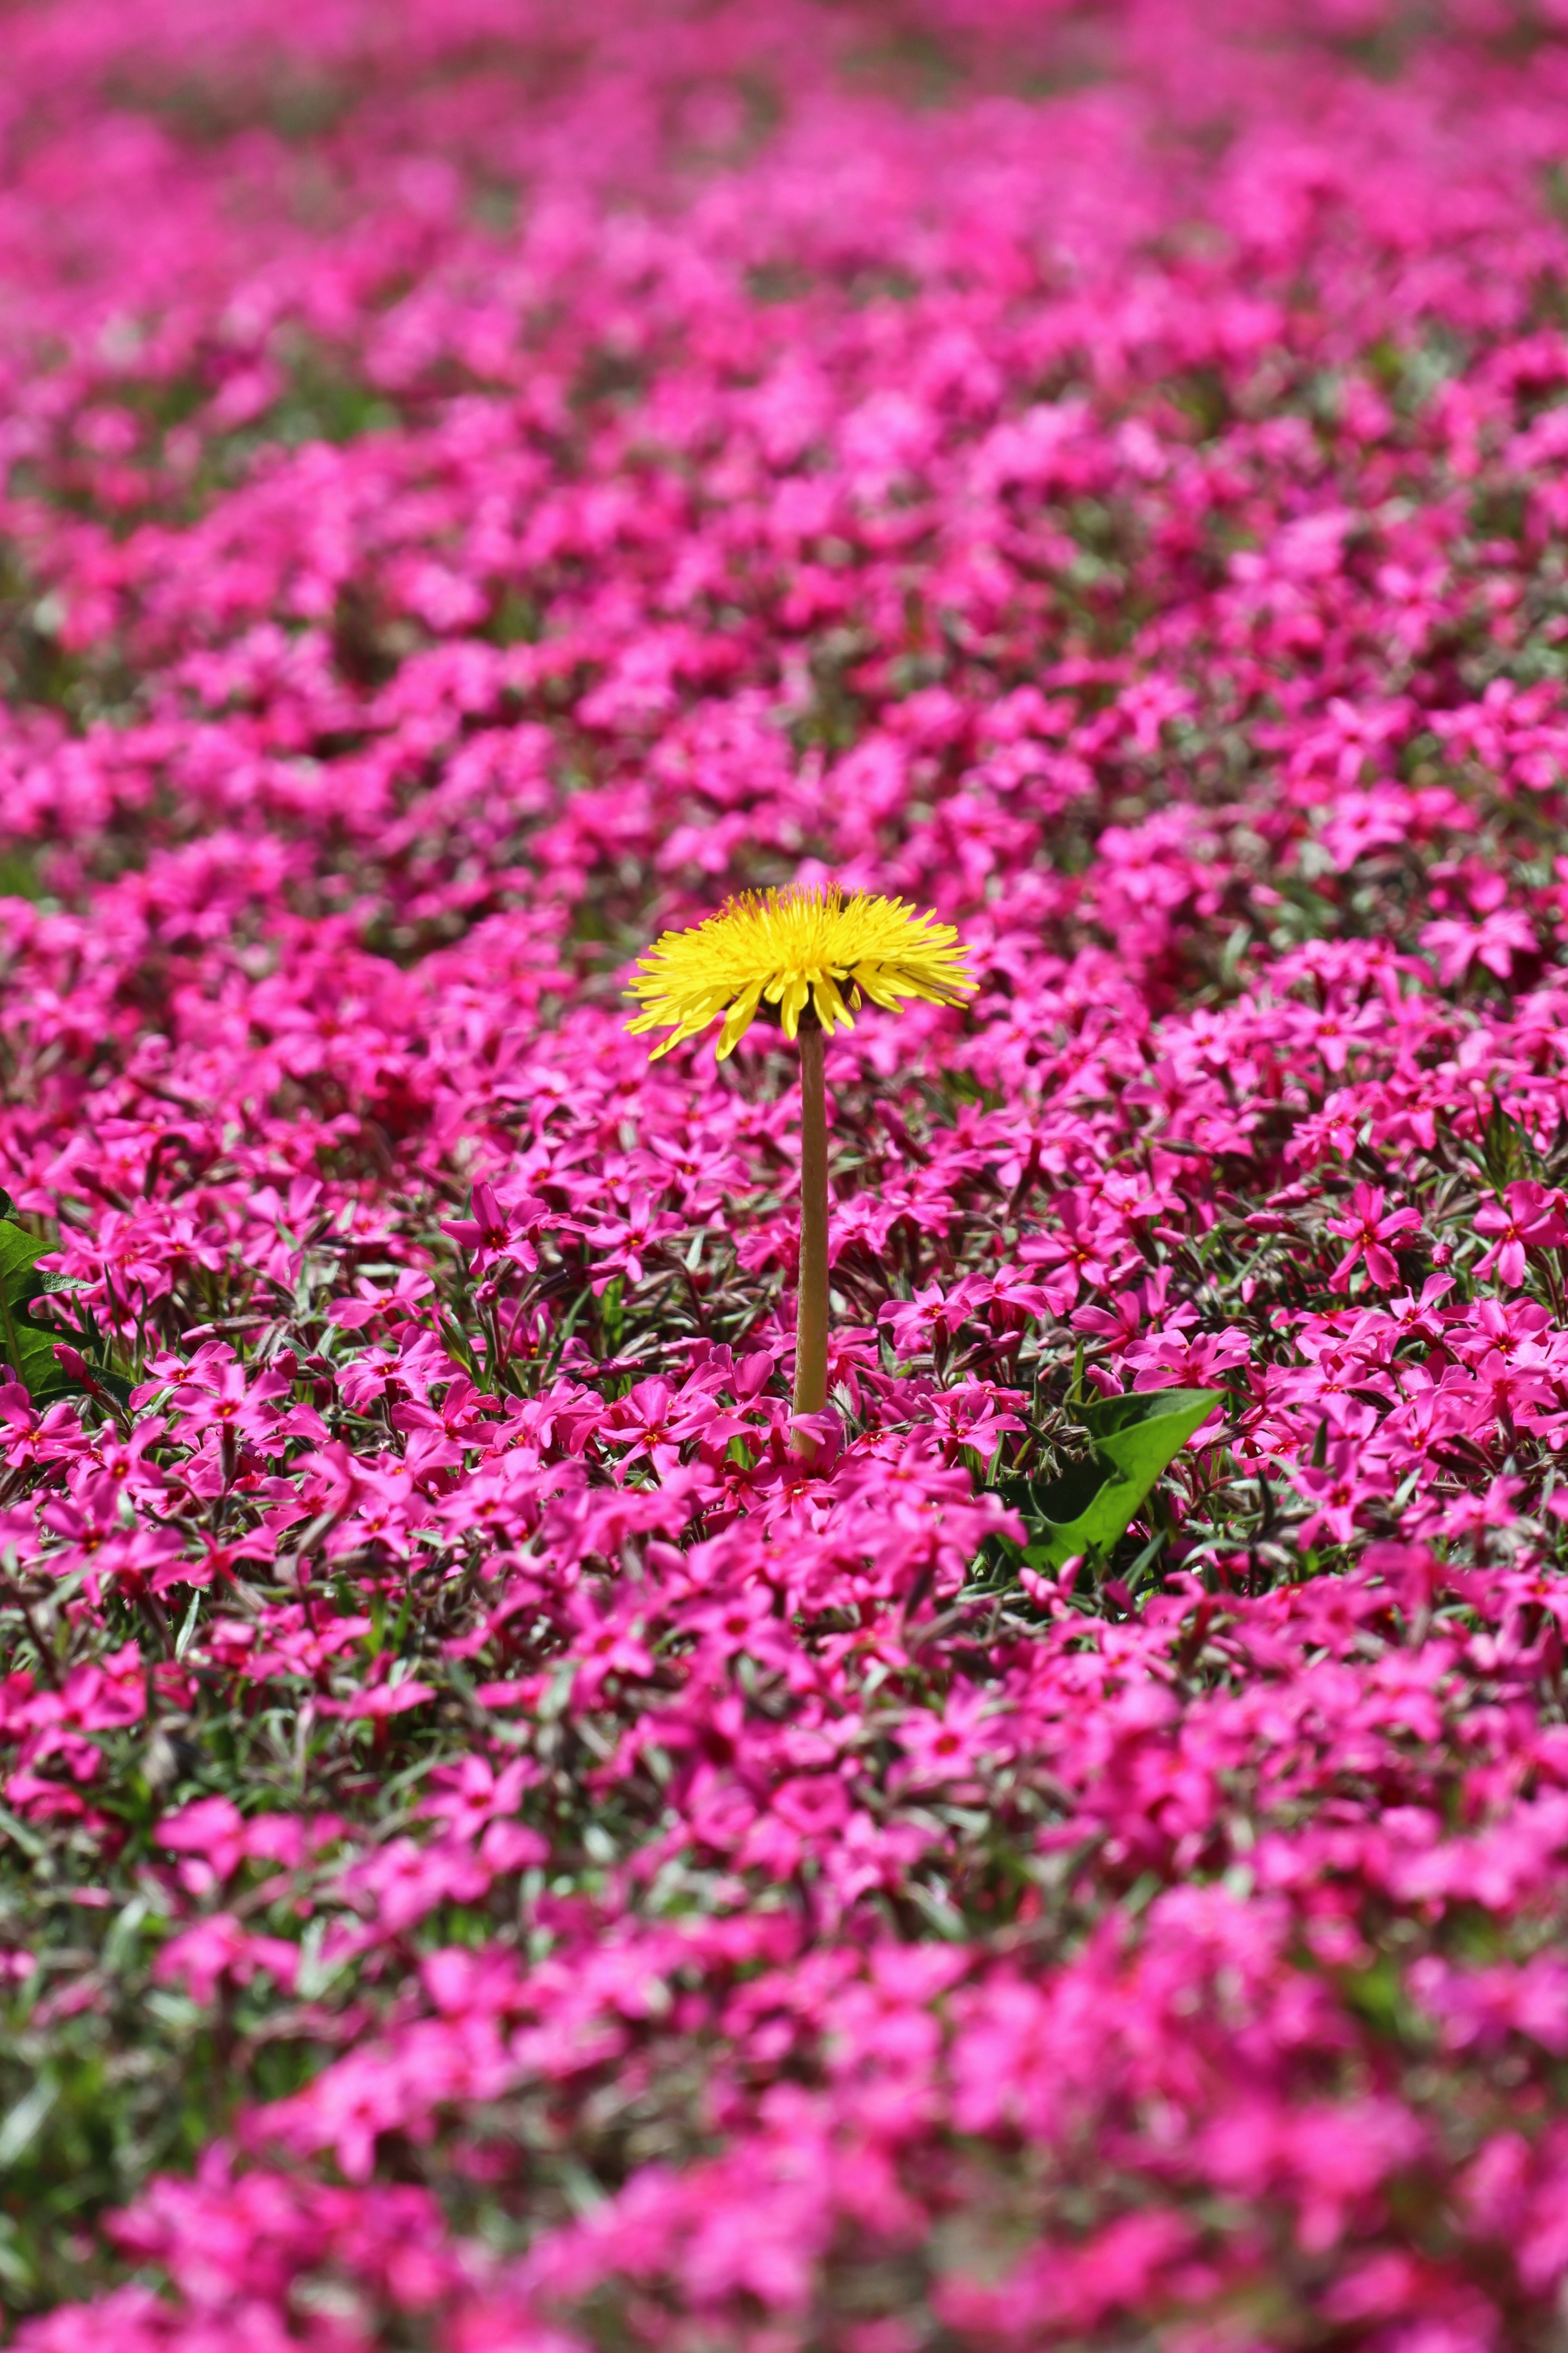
(27, 1345)
(1090, 1505)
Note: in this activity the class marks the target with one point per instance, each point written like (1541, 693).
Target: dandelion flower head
(790, 949)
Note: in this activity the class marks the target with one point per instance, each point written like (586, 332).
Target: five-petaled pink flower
(1369, 1232)
(1530, 1217)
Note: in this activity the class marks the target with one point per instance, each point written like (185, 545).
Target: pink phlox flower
(1351, 1389)
(214, 1839)
(1519, 1329)
(1419, 1318)
(234, 2243)
(192, 1246)
(496, 1232)
(419, 1365)
(122, 2320)
(1181, 1359)
(38, 1434)
(211, 1828)
(1471, 1517)
(462, 1415)
(975, 1414)
(1337, 1491)
(1482, 2007)
(654, 1421)
(471, 1794)
(296, 1210)
(565, 1415)
(1359, 1339)
(220, 1946)
(91, 1699)
(89, 1515)
(1530, 1215)
(1148, 703)
(502, 1498)
(702, 1173)
(1429, 1416)
(1330, 2157)
(620, 1244)
(1349, 735)
(166, 1371)
(1334, 1033)
(934, 1315)
(581, 1522)
(396, 2082)
(386, 1694)
(1511, 1360)
(1127, 1195)
(1006, 1299)
(125, 1460)
(1509, 1390)
(368, 1301)
(1119, 1324)
(397, 1885)
(429, 1456)
(946, 1746)
(1369, 1230)
(1380, 818)
(1495, 941)
(1484, 730)
(382, 1506)
(714, 1374)
(125, 1250)
(742, 1624)
(1080, 1251)
(463, 1984)
(745, 1377)
(606, 1645)
(237, 1401)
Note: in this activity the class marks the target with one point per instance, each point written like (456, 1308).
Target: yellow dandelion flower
(793, 949)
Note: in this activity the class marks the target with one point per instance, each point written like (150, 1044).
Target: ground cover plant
(508, 1841)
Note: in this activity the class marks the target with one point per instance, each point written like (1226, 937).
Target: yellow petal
(878, 987)
(738, 1020)
(831, 1009)
(793, 1003)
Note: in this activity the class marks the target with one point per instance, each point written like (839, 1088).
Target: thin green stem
(811, 1318)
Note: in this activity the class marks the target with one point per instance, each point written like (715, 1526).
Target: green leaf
(1135, 1437)
(19, 1252)
(29, 1347)
(1146, 1429)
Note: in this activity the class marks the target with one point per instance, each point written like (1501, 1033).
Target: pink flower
(1369, 1231)
(1529, 1215)
(620, 1244)
(218, 1947)
(495, 1233)
(1337, 1493)
(1495, 941)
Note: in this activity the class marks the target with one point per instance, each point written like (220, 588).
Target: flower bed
(506, 1848)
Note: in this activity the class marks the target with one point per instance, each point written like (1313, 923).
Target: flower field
(510, 1842)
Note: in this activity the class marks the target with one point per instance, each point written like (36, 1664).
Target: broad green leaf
(18, 1252)
(1135, 1437)
(22, 1344)
(29, 1347)
(1146, 1429)
(32, 1353)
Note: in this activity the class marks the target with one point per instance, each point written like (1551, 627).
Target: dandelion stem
(811, 1318)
